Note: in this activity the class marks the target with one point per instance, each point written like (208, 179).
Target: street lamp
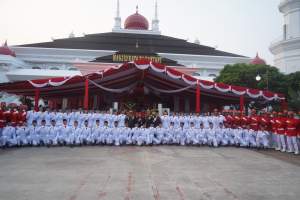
(258, 77)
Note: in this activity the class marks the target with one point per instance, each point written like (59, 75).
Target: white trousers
(292, 143)
(282, 142)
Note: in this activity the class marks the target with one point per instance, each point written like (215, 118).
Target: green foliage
(271, 79)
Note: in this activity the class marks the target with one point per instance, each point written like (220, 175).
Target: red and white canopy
(125, 76)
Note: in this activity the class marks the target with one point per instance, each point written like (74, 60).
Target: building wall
(51, 62)
(286, 49)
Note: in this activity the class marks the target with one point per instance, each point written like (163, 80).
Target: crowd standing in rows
(19, 127)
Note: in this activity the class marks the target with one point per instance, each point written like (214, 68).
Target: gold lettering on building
(129, 58)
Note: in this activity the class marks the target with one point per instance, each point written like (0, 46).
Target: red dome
(4, 50)
(258, 61)
(136, 21)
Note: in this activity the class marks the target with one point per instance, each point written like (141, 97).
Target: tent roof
(120, 78)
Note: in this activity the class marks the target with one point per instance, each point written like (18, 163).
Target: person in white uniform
(117, 133)
(165, 119)
(158, 134)
(202, 135)
(182, 134)
(86, 133)
(53, 131)
(211, 136)
(128, 134)
(220, 135)
(190, 133)
(34, 136)
(22, 133)
(43, 131)
(8, 136)
(64, 132)
(96, 131)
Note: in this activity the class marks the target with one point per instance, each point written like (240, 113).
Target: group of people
(76, 128)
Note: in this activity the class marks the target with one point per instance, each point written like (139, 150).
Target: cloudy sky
(237, 26)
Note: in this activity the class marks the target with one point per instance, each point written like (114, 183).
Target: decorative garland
(143, 65)
(168, 91)
(113, 90)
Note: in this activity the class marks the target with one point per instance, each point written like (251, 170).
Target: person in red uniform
(7, 115)
(265, 121)
(298, 128)
(273, 129)
(14, 117)
(281, 128)
(2, 119)
(254, 120)
(291, 133)
(229, 119)
(237, 119)
(22, 116)
(245, 120)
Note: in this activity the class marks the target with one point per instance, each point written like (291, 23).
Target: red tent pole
(242, 103)
(198, 98)
(36, 99)
(86, 95)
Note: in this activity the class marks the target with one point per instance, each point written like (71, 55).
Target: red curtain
(242, 103)
(36, 99)
(86, 95)
(198, 98)
(284, 105)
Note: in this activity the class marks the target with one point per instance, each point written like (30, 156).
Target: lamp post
(258, 78)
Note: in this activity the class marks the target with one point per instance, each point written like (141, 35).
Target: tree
(293, 81)
(272, 79)
(244, 75)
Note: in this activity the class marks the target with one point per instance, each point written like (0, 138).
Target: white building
(286, 49)
(93, 52)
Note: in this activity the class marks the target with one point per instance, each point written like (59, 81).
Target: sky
(243, 27)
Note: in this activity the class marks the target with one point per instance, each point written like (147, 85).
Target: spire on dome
(118, 18)
(155, 21)
(5, 50)
(118, 8)
(137, 9)
(72, 35)
(156, 12)
(257, 60)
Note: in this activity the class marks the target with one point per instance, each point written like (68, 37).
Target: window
(54, 68)
(284, 31)
(196, 74)
(212, 75)
(73, 69)
(36, 68)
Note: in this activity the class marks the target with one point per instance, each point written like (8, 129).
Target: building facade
(93, 52)
(286, 49)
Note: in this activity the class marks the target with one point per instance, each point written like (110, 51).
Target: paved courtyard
(166, 172)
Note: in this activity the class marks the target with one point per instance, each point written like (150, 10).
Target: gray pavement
(165, 172)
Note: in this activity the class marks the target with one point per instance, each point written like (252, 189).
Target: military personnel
(34, 136)
(281, 130)
(291, 133)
